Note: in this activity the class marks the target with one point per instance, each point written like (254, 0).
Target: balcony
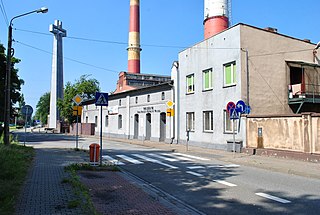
(304, 97)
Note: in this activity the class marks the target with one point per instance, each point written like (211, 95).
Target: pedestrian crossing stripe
(129, 159)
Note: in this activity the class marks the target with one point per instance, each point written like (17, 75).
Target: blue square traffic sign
(101, 99)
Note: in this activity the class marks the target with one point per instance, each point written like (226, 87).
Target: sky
(97, 34)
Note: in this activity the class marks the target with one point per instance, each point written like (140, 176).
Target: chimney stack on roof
(216, 17)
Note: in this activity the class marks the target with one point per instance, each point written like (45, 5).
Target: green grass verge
(14, 163)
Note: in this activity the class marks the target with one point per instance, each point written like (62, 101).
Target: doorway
(162, 127)
(148, 126)
(136, 126)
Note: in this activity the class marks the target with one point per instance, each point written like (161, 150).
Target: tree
(84, 87)
(16, 83)
(43, 108)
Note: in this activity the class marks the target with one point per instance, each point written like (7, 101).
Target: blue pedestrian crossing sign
(234, 114)
(101, 99)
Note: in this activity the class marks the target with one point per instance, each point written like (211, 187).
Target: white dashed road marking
(112, 160)
(191, 156)
(274, 198)
(162, 157)
(176, 156)
(195, 174)
(154, 161)
(225, 183)
(131, 160)
(195, 167)
(231, 165)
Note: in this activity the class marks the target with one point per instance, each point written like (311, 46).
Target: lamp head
(42, 10)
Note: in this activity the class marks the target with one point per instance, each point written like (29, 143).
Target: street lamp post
(8, 75)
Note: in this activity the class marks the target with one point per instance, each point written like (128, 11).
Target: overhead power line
(3, 11)
(67, 58)
(102, 41)
(166, 46)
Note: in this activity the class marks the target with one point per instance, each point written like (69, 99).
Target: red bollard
(94, 153)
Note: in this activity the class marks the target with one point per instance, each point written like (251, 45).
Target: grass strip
(14, 164)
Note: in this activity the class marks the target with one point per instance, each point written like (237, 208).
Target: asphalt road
(208, 185)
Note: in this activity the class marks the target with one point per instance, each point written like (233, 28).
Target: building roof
(163, 86)
(268, 29)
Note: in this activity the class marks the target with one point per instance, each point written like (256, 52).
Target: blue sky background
(173, 23)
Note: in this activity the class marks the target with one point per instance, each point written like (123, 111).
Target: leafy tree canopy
(86, 87)
(43, 108)
(16, 83)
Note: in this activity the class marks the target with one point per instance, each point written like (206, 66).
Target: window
(119, 102)
(107, 121)
(230, 74)
(207, 120)
(207, 79)
(87, 119)
(163, 96)
(228, 123)
(137, 100)
(148, 98)
(95, 121)
(190, 83)
(190, 121)
(120, 122)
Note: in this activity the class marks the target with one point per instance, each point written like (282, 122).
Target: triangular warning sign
(101, 100)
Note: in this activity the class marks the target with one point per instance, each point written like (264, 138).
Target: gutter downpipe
(248, 77)
(175, 125)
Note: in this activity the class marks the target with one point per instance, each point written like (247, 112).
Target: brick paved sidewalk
(43, 191)
(113, 194)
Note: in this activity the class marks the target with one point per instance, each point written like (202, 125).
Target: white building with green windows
(241, 63)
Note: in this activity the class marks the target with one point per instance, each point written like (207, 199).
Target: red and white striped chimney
(134, 38)
(216, 17)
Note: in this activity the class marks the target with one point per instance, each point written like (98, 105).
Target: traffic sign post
(27, 111)
(101, 100)
(235, 111)
(77, 100)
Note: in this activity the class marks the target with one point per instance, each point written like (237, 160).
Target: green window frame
(190, 83)
(207, 79)
(230, 74)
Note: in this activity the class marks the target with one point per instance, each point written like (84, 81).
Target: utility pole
(8, 76)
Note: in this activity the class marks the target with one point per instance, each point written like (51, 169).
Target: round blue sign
(241, 106)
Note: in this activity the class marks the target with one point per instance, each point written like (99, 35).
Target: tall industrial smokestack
(216, 17)
(134, 38)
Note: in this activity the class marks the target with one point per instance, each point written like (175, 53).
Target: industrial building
(275, 74)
